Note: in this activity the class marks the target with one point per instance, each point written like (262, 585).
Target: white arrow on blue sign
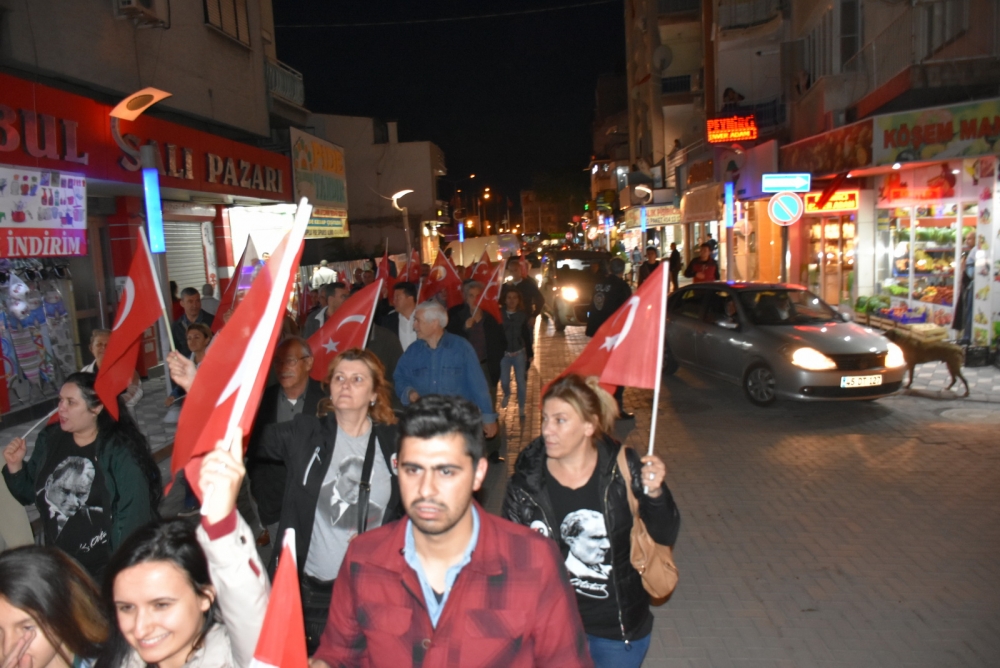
(776, 183)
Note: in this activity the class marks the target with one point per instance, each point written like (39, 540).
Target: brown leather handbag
(654, 562)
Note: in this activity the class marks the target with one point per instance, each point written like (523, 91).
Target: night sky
(507, 98)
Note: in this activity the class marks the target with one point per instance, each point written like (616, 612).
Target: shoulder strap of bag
(633, 503)
(365, 485)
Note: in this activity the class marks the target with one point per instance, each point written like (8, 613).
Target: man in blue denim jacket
(439, 362)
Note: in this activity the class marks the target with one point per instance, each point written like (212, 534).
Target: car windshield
(785, 307)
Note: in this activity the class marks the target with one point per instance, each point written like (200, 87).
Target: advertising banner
(42, 213)
(936, 134)
(745, 167)
(318, 173)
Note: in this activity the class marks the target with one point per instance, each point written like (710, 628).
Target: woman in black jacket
(328, 459)
(567, 486)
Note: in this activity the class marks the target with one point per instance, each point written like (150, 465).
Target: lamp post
(406, 218)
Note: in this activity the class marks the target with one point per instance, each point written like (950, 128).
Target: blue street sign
(785, 208)
(776, 183)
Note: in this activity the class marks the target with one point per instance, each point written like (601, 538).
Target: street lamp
(406, 218)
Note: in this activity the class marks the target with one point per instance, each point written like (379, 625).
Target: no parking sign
(785, 208)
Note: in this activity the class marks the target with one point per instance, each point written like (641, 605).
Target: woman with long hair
(328, 460)
(186, 596)
(567, 485)
(91, 477)
(50, 611)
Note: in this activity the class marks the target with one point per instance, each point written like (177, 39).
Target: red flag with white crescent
(624, 350)
(137, 312)
(442, 277)
(489, 301)
(482, 271)
(227, 388)
(383, 273)
(347, 328)
(238, 284)
(413, 267)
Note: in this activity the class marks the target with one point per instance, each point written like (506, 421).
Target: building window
(944, 22)
(380, 132)
(229, 17)
(850, 29)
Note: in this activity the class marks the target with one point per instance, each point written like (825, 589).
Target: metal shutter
(185, 255)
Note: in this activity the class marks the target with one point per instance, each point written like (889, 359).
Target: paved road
(838, 534)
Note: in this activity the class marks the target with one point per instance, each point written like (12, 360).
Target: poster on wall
(42, 213)
(318, 173)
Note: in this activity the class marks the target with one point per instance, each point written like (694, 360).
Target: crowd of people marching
(374, 463)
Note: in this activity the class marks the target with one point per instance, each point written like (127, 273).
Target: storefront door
(831, 251)
(93, 288)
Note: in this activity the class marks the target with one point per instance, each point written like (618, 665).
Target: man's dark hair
(407, 287)
(328, 290)
(617, 265)
(705, 245)
(652, 248)
(189, 292)
(437, 415)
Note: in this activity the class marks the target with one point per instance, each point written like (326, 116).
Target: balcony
(739, 14)
(285, 82)
(768, 114)
(673, 85)
(678, 6)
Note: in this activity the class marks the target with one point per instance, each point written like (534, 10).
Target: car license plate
(860, 381)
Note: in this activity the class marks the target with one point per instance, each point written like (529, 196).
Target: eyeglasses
(292, 361)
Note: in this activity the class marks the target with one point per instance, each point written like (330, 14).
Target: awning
(702, 204)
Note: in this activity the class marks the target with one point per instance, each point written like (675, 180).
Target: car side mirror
(845, 316)
(726, 323)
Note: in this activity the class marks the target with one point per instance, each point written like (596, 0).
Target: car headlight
(570, 294)
(895, 358)
(812, 359)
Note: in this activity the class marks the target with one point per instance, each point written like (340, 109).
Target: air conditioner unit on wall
(143, 12)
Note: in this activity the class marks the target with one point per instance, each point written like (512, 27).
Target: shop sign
(42, 213)
(44, 128)
(318, 173)
(935, 134)
(842, 200)
(656, 216)
(732, 128)
(835, 152)
(950, 180)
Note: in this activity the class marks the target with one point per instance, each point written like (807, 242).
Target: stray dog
(916, 351)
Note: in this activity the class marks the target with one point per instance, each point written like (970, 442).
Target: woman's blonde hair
(587, 398)
(382, 410)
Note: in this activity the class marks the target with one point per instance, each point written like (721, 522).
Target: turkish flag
(442, 277)
(482, 271)
(238, 284)
(137, 312)
(227, 388)
(627, 348)
(347, 328)
(282, 640)
(413, 268)
(383, 273)
(489, 301)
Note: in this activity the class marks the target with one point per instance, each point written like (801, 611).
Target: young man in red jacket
(451, 585)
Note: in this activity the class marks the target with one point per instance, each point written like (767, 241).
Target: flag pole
(156, 275)
(659, 364)
(371, 319)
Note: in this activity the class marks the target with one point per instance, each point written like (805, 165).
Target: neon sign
(732, 128)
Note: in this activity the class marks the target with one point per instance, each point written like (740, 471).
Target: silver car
(778, 341)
